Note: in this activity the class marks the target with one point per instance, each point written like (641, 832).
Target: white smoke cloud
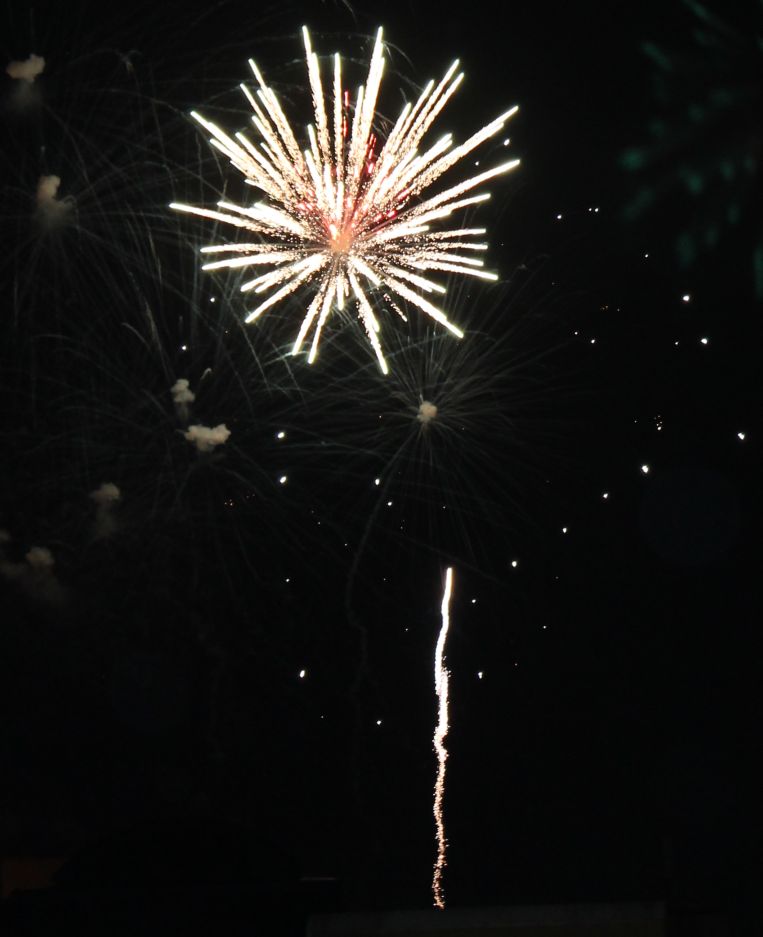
(50, 208)
(35, 576)
(40, 558)
(27, 70)
(207, 438)
(105, 498)
(182, 395)
(107, 494)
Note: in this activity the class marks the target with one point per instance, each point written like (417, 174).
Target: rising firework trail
(441, 689)
(346, 215)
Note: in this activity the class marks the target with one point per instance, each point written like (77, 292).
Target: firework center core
(341, 239)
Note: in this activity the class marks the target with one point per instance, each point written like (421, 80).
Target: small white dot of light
(645, 469)
(605, 495)
(686, 297)
(574, 333)
(212, 299)
(545, 627)
(646, 255)
(302, 674)
(281, 435)
(405, 629)
(703, 341)
(741, 436)
(287, 579)
(564, 530)
(184, 347)
(389, 504)
(506, 141)
(474, 601)
(479, 674)
(676, 344)
(323, 717)
(596, 209)
(282, 480)
(516, 664)
(514, 563)
(593, 341)
(558, 217)
(476, 162)
(377, 481)
(378, 722)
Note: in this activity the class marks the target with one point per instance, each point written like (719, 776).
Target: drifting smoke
(207, 438)
(105, 498)
(40, 558)
(35, 576)
(182, 395)
(27, 70)
(50, 209)
(427, 412)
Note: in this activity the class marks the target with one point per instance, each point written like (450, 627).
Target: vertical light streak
(441, 730)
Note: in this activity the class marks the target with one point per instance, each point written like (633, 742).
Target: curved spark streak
(347, 215)
(441, 688)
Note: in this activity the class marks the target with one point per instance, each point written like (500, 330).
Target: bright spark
(441, 688)
(346, 215)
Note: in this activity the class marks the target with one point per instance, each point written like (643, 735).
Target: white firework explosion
(347, 214)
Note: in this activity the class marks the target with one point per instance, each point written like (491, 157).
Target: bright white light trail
(441, 688)
(346, 214)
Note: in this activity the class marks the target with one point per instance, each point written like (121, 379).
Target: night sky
(244, 639)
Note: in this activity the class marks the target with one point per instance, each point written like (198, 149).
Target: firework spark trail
(441, 688)
(346, 214)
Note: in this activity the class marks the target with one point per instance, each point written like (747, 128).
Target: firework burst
(348, 214)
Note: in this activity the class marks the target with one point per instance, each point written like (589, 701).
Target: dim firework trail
(441, 688)
(347, 215)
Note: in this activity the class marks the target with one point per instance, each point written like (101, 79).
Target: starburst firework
(347, 215)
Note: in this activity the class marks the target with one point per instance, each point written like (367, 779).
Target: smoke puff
(107, 494)
(40, 558)
(206, 438)
(181, 392)
(47, 188)
(50, 208)
(27, 70)
(427, 411)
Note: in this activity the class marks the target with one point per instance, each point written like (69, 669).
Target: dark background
(152, 679)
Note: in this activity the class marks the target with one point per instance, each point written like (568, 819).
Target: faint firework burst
(347, 214)
(704, 144)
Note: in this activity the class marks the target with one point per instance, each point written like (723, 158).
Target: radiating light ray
(441, 688)
(347, 215)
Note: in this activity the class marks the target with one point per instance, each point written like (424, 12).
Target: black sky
(607, 749)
